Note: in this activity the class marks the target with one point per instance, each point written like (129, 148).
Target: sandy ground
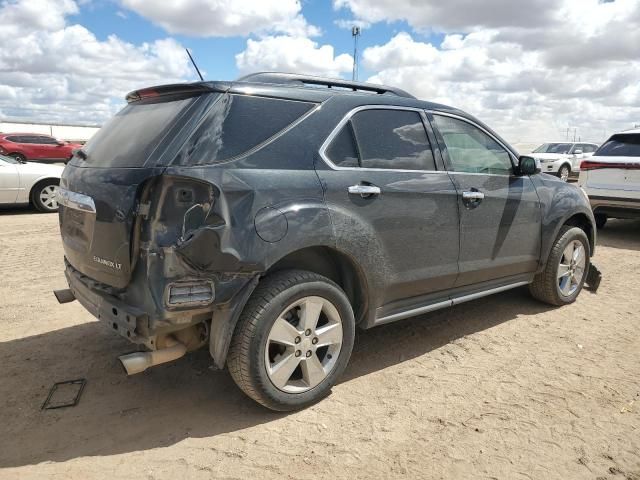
(502, 387)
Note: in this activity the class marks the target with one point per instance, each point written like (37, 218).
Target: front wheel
(293, 340)
(562, 279)
(564, 172)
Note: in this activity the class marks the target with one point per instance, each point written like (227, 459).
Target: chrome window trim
(351, 113)
(75, 200)
(512, 157)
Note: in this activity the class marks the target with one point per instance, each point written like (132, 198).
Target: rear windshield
(131, 136)
(622, 145)
(236, 124)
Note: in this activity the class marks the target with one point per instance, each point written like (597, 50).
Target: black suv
(268, 217)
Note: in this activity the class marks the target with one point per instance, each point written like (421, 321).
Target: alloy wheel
(564, 173)
(571, 268)
(303, 344)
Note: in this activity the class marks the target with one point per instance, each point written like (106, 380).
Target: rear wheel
(45, 196)
(18, 157)
(601, 220)
(293, 340)
(562, 279)
(564, 172)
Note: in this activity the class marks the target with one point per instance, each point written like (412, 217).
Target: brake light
(595, 165)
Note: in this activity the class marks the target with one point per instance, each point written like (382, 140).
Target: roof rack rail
(310, 80)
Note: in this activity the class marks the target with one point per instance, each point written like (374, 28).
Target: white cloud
(292, 54)
(451, 15)
(51, 70)
(577, 65)
(225, 18)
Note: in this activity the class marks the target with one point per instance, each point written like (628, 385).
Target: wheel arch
(336, 266)
(323, 260)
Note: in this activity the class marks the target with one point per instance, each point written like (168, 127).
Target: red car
(38, 147)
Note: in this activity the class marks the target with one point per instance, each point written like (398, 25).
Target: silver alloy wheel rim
(564, 173)
(303, 345)
(49, 197)
(571, 268)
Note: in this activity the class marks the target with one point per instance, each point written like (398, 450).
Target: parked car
(36, 147)
(563, 158)
(268, 217)
(611, 178)
(23, 183)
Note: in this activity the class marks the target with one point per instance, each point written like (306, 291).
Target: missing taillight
(197, 293)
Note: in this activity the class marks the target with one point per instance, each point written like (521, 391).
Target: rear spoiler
(177, 89)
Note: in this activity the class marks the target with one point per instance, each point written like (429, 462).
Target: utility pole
(355, 33)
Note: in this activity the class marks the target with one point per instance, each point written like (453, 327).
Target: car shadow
(18, 210)
(624, 234)
(185, 399)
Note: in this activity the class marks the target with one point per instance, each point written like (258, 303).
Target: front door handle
(364, 190)
(472, 195)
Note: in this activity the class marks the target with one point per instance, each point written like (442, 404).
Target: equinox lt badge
(108, 263)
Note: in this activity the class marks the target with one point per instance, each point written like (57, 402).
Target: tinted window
(238, 123)
(129, 138)
(16, 139)
(622, 145)
(392, 139)
(470, 149)
(342, 151)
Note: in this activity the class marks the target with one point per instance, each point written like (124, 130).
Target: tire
(18, 157)
(601, 220)
(563, 172)
(276, 310)
(43, 196)
(549, 286)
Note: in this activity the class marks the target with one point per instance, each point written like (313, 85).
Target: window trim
(325, 145)
(447, 160)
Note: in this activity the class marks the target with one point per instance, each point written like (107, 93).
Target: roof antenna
(194, 65)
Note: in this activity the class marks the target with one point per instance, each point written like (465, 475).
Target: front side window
(383, 139)
(471, 150)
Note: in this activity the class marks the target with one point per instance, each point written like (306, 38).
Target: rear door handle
(472, 196)
(364, 190)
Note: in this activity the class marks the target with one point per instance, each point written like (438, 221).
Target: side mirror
(528, 165)
(60, 143)
(577, 152)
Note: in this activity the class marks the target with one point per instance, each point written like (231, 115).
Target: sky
(530, 69)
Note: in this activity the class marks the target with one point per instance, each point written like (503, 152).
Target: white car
(35, 183)
(563, 158)
(611, 178)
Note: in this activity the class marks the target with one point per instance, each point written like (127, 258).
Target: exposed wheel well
(333, 265)
(581, 221)
(39, 183)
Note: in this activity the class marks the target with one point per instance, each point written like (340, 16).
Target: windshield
(623, 145)
(562, 148)
(8, 159)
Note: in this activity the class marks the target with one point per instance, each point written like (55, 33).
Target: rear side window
(16, 139)
(622, 145)
(385, 139)
(236, 124)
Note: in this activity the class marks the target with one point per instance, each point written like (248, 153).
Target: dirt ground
(502, 387)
